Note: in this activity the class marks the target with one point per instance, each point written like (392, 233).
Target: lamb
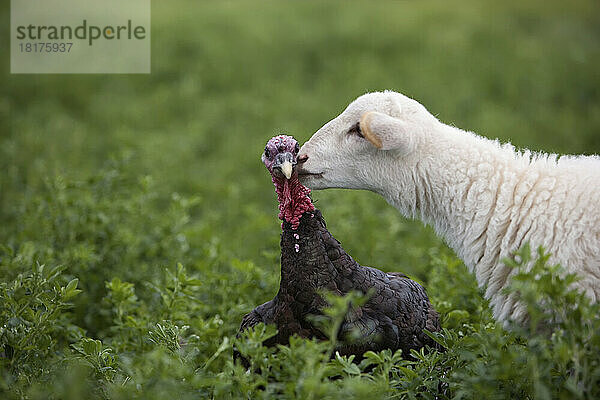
(484, 198)
(394, 315)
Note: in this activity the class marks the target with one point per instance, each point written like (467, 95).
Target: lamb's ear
(385, 132)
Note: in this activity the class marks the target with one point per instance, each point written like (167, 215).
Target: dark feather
(312, 260)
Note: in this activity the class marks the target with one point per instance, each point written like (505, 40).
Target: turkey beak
(286, 168)
(285, 163)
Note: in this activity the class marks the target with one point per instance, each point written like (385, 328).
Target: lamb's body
(484, 198)
(394, 316)
(487, 200)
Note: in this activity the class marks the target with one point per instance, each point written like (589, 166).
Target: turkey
(312, 261)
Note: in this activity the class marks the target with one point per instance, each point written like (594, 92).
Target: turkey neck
(293, 198)
(304, 263)
(302, 251)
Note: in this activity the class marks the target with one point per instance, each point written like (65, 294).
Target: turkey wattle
(312, 260)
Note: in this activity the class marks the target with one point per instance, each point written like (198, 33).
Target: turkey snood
(312, 260)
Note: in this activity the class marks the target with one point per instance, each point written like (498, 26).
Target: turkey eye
(267, 152)
(297, 148)
(355, 130)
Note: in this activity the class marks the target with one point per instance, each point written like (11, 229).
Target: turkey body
(312, 260)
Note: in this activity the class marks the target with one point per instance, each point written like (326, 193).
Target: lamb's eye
(297, 148)
(355, 130)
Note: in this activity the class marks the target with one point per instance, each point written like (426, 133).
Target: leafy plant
(36, 323)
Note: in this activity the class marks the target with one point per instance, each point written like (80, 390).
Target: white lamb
(484, 198)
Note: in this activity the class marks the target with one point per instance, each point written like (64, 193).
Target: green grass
(117, 178)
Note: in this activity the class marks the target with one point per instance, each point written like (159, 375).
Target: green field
(118, 178)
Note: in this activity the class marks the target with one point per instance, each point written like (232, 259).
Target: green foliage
(554, 355)
(99, 227)
(137, 225)
(169, 343)
(36, 323)
(99, 357)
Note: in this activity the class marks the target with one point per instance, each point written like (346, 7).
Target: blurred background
(227, 76)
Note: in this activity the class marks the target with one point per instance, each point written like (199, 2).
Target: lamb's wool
(486, 199)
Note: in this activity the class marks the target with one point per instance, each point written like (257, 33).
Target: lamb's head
(280, 156)
(354, 149)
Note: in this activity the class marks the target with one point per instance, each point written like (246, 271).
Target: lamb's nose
(302, 159)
